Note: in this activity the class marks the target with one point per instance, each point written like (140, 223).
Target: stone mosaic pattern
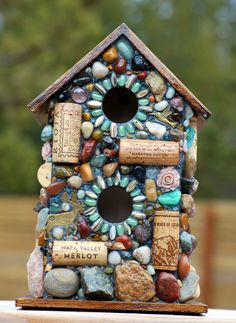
(74, 190)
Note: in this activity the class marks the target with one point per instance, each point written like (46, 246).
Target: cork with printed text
(66, 136)
(165, 247)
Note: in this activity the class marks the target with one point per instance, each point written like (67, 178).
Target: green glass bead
(135, 192)
(143, 102)
(132, 221)
(55, 208)
(125, 48)
(105, 228)
(109, 181)
(141, 116)
(80, 194)
(97, 96)
(130, 128)
(124, 181)
(90, 202)
(108, 270)
(93, 217)
(135, 87)
(105, 125)
(107, 84)
(96, 189)
(138, 207)
(97, 113)
(122, 131)
(120, 229)
(121, 80)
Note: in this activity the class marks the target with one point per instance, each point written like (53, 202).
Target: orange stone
(184, 222)
(86, 116)
(151, 98)
(86, 172)
(110, 55)
(183, 266)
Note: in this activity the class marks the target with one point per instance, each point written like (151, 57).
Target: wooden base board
(40, 303)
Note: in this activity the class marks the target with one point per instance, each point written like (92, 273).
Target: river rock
(186, 242)
(120, 65)
(74, 182)
(143, 232)
(63, 171)
(157, 85)
(86, 172)
(56, 188)
(139, 173)
(99, 160)
(187, 204)
(156, 129)
(114, 258)
(42, 219)
(150, 190)
(191, 155)
(177, 103)
(35, 273)
(133, 283)
(189, 287)
(183, 266)
(167, 287)
(44, 196)
(142, 254)
(139, 63)
(47, 133)
(88, 150)
(110, 55)
(83, 227)
(96, 284)
(125, 48)
(125, 240)
(99, 70)
(61, 282)
(109, 169)
(86, 129)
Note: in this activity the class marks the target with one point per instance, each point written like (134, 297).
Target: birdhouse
(119, 157)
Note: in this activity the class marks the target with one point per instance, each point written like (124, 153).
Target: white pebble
(156, 129)
(160, 106)
(150, 270)
(114, 258)
(99, 70)
(142, 254)
(170, 92)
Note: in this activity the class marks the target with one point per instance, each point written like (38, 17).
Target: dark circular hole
(114, 204)
(120, 104)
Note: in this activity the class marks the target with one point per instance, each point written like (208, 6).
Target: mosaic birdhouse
(119, 150)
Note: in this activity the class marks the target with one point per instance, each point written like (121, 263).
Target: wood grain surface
(28, 302)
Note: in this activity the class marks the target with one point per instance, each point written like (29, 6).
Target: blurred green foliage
(40, 40)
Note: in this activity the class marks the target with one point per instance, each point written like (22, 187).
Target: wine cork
(79, 253)
(66, 138)
(165, 247)
(149, 152)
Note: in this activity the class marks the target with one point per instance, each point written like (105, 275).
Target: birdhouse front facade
(119, 151)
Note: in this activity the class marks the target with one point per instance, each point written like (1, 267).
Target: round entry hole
(114, 204)
(120, 104)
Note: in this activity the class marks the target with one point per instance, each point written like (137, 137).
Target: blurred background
(196, 39)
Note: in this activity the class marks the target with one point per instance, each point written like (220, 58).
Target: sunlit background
(40, 40)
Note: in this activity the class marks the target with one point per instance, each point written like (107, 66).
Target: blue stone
(185, 241)
(55, 208)
(98, 161)
(170, 198)
(47, 133)
(151, 172)
(42, 218)
(125, 48)
(190, 136)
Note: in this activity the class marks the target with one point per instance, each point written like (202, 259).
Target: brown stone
(120, 66)
(56, 188)
(184, 222)
(183, 266)
(133, 283)
(86, 116)
(150, 189)
(86, 172)
(110, 55)
(89, 147)
(109, 169)
(187, 204)
(157, 85)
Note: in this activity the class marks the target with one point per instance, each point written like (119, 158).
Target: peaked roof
(39, 105)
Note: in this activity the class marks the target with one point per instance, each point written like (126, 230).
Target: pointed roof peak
(39, 104)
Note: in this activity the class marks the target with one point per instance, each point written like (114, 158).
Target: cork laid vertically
(119, 159)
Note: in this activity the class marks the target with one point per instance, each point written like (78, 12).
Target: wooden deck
(214, 225)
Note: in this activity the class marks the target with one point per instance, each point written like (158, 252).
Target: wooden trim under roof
(38, 104)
